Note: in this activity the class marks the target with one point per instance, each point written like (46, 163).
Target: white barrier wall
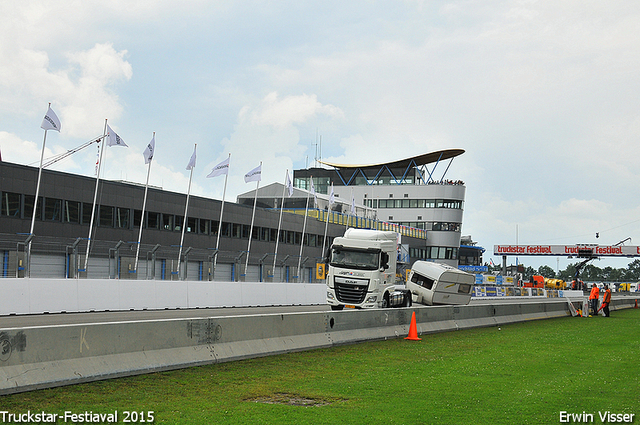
(36, 296)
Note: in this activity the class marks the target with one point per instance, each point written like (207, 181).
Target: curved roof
(423, 159)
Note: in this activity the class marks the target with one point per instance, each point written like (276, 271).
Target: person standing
(594, 297)
(606, 300)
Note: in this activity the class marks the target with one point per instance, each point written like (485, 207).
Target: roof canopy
(418, 160)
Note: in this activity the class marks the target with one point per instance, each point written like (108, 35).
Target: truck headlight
(330, 296)
(372, 299)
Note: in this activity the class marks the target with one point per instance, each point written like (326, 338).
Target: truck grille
(350, 293)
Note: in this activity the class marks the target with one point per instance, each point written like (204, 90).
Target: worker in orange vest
(594, 297)
(606, 300)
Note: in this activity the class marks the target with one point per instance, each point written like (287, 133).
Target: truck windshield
(367, 260)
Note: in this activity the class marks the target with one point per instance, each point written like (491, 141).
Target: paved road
(54, 319)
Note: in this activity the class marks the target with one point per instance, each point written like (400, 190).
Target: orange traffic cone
(413, 329)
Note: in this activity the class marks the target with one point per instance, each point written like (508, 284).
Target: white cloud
(268, 130)
(16, 150)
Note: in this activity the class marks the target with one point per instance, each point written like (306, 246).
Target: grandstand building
(414, 192)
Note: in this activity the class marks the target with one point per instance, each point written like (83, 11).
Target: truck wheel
(337, 307)
(385, 301)
(407, 299)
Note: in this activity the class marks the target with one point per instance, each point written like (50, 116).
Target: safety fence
(347, 220)
(48, 257)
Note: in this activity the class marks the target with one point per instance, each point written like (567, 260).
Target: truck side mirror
(384, 260)
(327, 256)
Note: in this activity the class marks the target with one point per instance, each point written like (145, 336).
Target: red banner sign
(568, 250)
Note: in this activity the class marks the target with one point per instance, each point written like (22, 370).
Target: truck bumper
(332, 299)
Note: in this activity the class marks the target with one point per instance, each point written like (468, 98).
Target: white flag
(313, 191)
(332, 198)
(113, 139)
(150, 150)
(254, 175)
(192, 162)
(220, 169)
(353, 205)
(289, 185)
(50, 121)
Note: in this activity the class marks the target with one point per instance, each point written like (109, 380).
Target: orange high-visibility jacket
(595, 293)
(607, 296)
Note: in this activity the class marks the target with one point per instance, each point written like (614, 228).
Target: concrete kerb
(48, 356)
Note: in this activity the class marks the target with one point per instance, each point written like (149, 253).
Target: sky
(544, 97)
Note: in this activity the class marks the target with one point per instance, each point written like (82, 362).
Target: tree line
(588, 273)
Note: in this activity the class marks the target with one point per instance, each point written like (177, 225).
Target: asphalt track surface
(56, 319)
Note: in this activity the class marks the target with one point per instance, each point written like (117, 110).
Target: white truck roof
(371, 235)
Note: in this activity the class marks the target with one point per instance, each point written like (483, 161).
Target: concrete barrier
(37, 296)
(48, 356)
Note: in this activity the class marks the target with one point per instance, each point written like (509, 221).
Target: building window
(205, 226)
(225, 229)
(192, 225)
(137, 218)
(237, 230)
(442, 253)
(71, 212)
(106, 216)
(167, 221)
(122, 217)
(153, 220)
(28, 207)
(52, 209)
(10, 204)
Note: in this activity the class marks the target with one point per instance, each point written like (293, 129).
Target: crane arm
(70, 152)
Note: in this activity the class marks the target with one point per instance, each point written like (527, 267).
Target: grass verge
(524, 373)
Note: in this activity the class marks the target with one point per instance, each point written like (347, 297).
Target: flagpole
(327, 222)
(275, 255)
(35, 202)
(326, 225)
(144, 204)
(95, 196)
(346, 226)
(224, 192)
(255, 199)
(184, 221)
(304, 227)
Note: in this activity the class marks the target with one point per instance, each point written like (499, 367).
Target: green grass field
(525, 373)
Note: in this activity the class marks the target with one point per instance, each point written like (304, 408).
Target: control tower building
(414, 192)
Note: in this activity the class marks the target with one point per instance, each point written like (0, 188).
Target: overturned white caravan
(434, 283)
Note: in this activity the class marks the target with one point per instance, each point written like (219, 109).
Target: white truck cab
(362, 271)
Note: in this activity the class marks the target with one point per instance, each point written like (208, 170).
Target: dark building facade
(63, 215)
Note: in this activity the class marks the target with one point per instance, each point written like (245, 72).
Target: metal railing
(51, 257)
